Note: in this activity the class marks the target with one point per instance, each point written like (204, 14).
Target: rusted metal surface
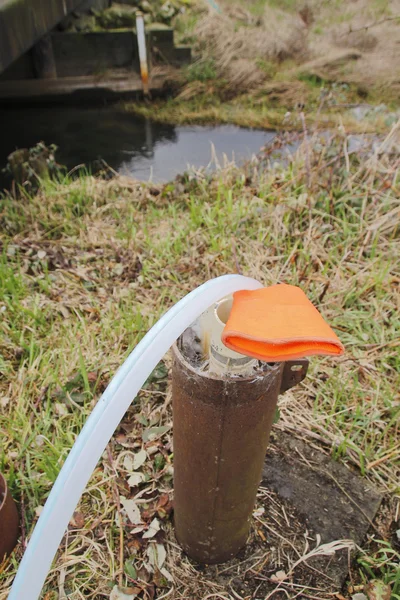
(294, 372)
(221, 433)
(9, 520)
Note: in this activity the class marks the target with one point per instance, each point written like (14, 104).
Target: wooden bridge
(38, 60)
(24, 22)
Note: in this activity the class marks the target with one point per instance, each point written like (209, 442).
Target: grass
(269, 108)
(383, 564)
(87, 266)
(250, 58)
(202, 70)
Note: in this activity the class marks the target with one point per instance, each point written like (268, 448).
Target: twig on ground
(375, 24)
(118, 504)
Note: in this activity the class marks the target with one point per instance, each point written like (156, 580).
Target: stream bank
(97, 138)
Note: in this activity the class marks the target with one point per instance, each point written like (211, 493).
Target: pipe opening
(202, 346)
(224, 310)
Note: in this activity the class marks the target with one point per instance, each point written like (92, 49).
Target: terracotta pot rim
(9, 520)
(3, 490)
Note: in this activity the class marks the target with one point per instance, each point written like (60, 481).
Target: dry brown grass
(370, 27)
(256, 42)
(240, 44)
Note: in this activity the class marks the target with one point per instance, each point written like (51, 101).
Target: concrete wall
(78, 54)
(22, 68)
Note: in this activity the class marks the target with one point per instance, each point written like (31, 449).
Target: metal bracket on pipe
(294, 371)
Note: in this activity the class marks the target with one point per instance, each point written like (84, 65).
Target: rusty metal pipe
(221, 433)
(9, 521)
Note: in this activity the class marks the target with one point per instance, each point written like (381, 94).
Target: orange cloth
(278, 323)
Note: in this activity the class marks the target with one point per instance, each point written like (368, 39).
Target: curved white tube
(102, 423)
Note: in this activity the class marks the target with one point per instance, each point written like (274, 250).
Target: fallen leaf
(92, 376)
(167, 575)
(162, 501)
(279, 576)
(41, 254)
(143, 574)
(159, 580)
(78, 520)
(156, 554)
(64, 311)
(131, 510)
(135, 479)
(154, 432)
(377, 590)
(60, 409)
(122, 594)
(4, 401)
(159, 462)
(169, 470)
(138, 529)
(154, 528)
(40, 439)
(150, 591)
(118, 269)
(128, 461)
(123, 440)
(135, 545)
(123, 487)
(142, 420)
(163, 506)
(78, 397)
(139, 459)
(130, 569)
(151, 450)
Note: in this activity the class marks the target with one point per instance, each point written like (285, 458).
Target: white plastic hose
(102, 423)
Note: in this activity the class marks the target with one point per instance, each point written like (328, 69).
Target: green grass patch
(203, 70)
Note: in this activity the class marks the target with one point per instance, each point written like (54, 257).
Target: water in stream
(129, 144)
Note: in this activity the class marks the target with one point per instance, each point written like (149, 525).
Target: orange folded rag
(278, 323)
